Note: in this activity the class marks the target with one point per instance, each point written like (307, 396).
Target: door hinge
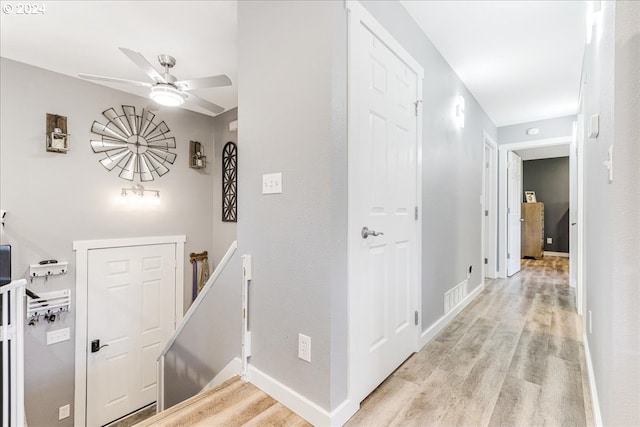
(508, 256)
(417, 104)
(508, 210)
(415, 213)
(486, 260)
(415, 316)
(486, 213)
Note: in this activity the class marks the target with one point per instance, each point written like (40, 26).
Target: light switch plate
(272, 183)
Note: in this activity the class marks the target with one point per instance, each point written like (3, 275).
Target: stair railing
(12, 337)
(185, 320)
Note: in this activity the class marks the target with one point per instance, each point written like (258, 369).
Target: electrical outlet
(549, 240)
(58, 336)
(304, 347)
(64, 411)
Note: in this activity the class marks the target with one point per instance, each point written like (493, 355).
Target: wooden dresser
(533, 230)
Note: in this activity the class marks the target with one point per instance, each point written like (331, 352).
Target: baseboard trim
(232, 369)
(441, 323)
(595, 403)
(560, 254)
(299, 404)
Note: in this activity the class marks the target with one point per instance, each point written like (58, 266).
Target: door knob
(573, 223)
(366, 232)
(95, 346)
(521, 219)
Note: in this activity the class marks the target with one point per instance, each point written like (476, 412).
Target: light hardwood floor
(513, 357)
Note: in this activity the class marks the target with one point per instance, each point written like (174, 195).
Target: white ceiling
(74, 37)
(520, 59)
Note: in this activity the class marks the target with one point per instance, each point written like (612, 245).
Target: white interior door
(514, 208)
(382, 197)
(131, 296)
(573, 208)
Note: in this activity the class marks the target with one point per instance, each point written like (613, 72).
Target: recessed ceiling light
(533, 131)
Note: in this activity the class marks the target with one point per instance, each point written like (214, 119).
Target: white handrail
(203, 293)
(12, 335)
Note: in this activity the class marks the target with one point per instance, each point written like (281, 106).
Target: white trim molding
(595, 403)
(444, 321)
(299, 404)
(82, 248)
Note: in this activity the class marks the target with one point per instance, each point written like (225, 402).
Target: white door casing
(173, 311)
(514, 207)
(384, 270)
(489, 208)
(503, 224)
(130, 311)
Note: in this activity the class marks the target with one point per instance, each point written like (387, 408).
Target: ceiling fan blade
(113, 80)
(210, 106)
(139, 60)
(204, 82)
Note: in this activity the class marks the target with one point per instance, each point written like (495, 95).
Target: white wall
(612, 90)
(550, 128)
(53, 199)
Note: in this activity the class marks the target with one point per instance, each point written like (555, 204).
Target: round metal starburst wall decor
(134, 143)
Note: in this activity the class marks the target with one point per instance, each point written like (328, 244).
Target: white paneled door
(514, 212)
(131, 297)
(383, 217)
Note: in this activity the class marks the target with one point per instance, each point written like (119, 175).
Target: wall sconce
(57, 136)
(139, 190)
(196, 155)
(460, 111)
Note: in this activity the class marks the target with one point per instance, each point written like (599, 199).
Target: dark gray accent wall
(549, 178)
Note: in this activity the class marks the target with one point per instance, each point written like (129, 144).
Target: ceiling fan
(166, 89)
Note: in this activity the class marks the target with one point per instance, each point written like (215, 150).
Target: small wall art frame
(530, 196)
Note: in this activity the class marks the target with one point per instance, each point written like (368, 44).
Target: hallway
(513, 357)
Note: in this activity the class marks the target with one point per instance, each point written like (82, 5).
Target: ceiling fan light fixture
(167, 95)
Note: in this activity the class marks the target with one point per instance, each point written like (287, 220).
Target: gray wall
(209, 340)
(53, 199)
(549, 178)
(612, 90)
(292, 98)
(549, 128)
(293, 120)
(223, 232)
